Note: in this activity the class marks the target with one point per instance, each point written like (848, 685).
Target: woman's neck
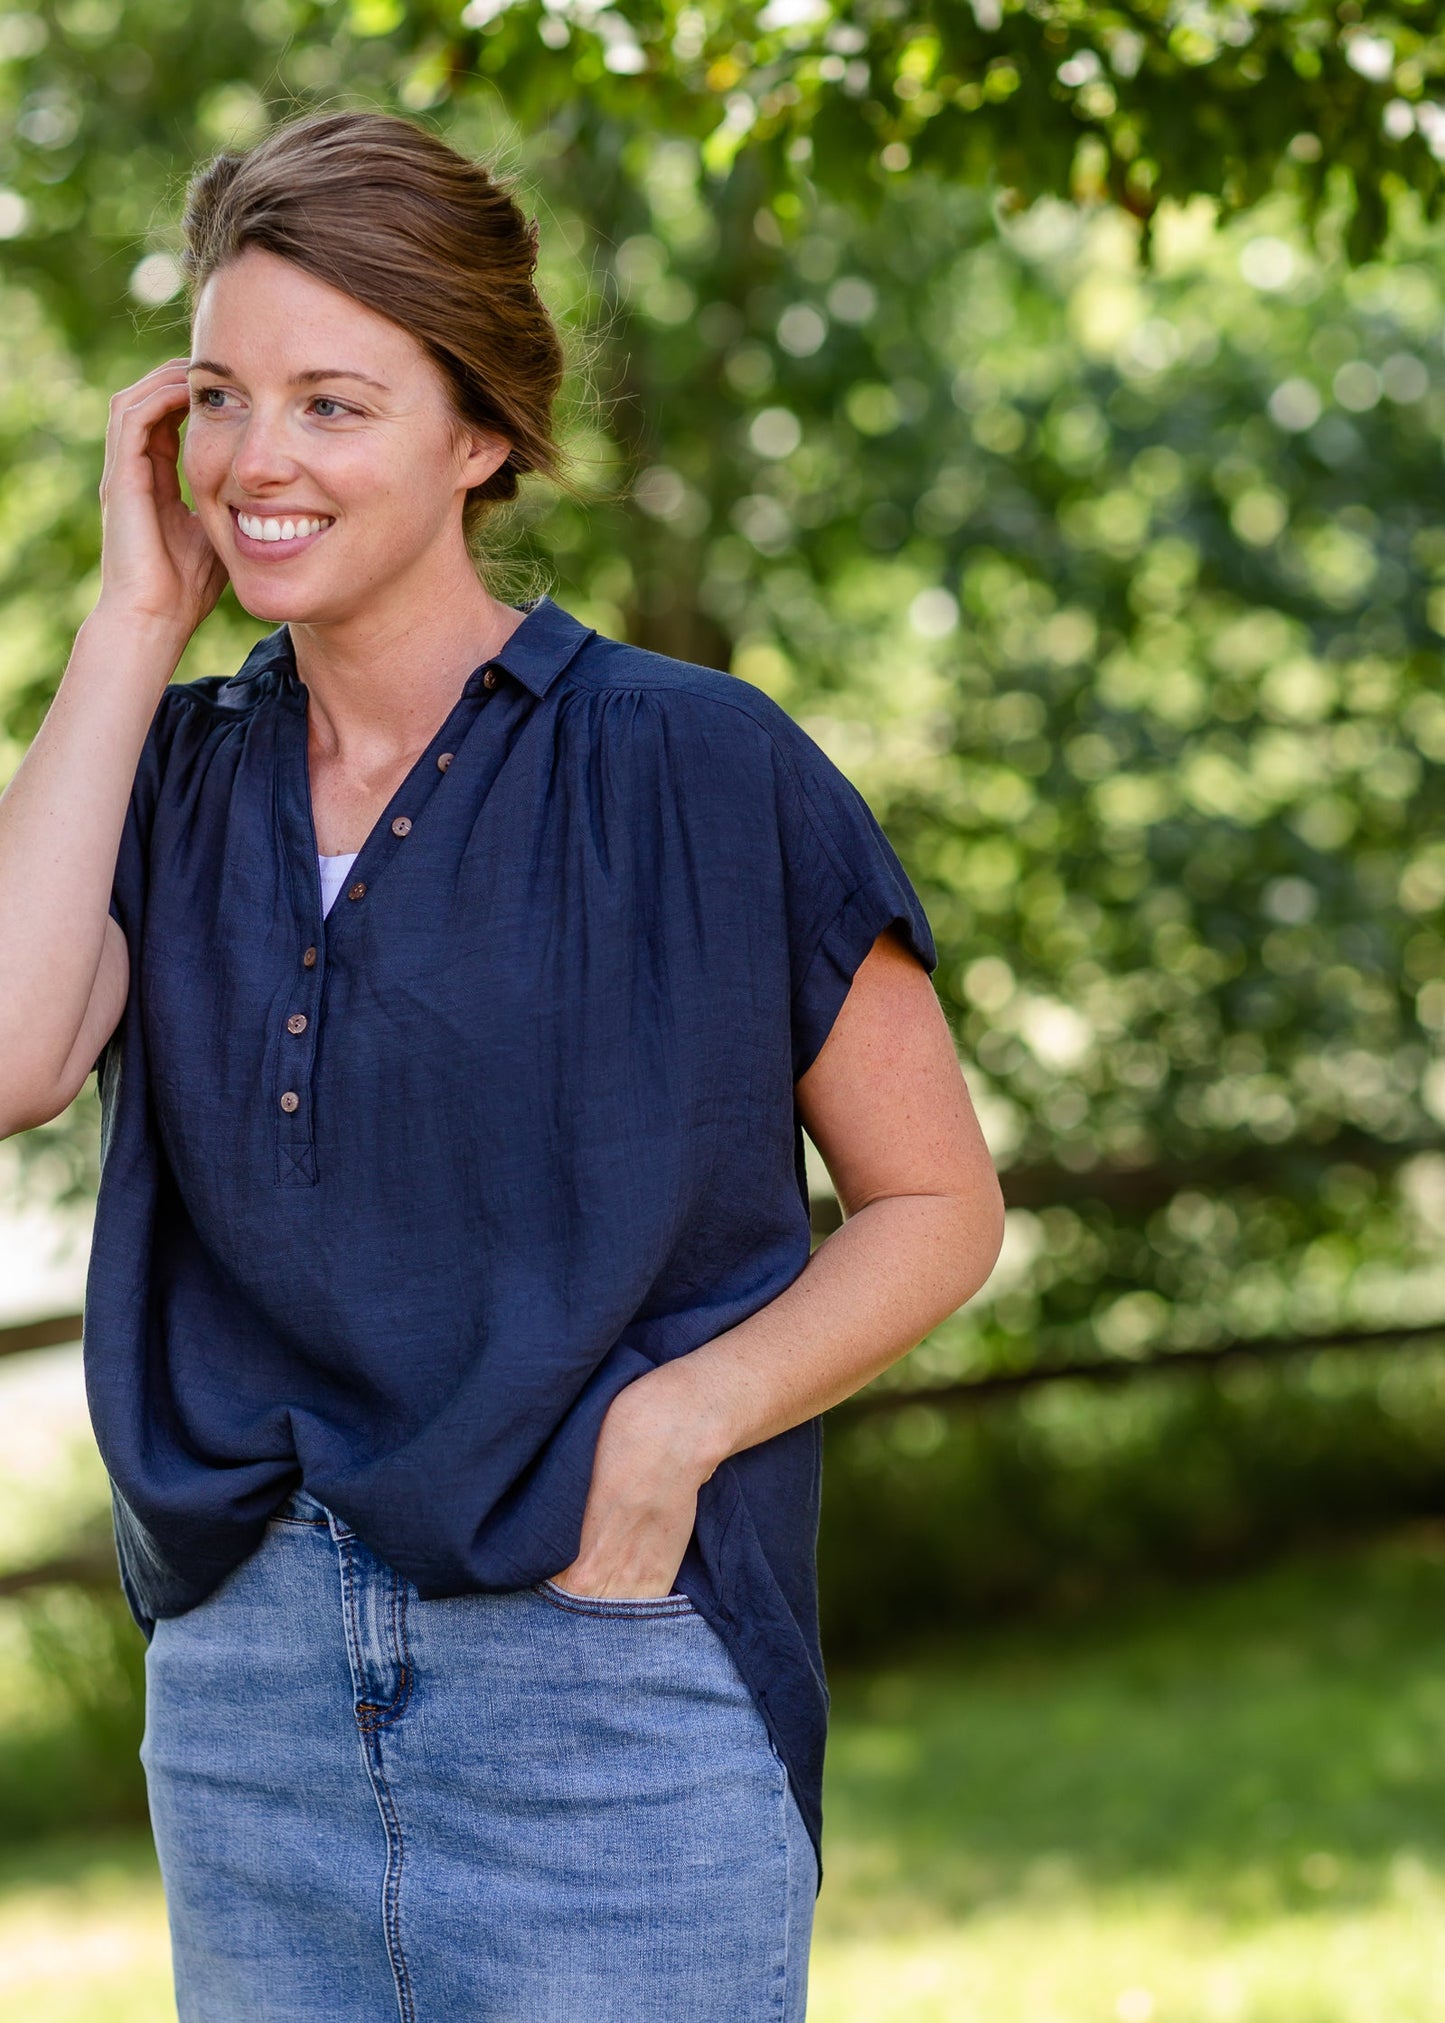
(379, 684)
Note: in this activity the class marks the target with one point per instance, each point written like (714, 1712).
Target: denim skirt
(530, 1807)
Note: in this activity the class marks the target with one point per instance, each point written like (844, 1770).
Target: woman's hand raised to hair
(157, 563)
(66, 974)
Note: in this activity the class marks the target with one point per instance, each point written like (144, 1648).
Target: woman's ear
(482, 454)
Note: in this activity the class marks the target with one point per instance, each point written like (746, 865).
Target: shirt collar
(547, 641)
(543, 645)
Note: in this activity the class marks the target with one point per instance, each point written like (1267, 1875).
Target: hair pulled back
(389, 214)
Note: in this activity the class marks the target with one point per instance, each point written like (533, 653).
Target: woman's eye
(325, 400)
(202, 396)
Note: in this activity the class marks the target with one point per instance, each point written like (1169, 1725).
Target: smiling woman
(460, 984)
(280, 452)
(449, 267)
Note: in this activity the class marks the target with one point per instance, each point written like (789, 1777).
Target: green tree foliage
(925, 381)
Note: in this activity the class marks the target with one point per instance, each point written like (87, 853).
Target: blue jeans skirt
(529, 1807)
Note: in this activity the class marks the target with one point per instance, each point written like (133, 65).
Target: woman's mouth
(276, 537)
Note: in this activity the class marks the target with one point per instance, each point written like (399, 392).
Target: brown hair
(392, 216)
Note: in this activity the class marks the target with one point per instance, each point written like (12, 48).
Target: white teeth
(258, 529)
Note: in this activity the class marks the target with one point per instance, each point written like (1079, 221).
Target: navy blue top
(394, 1202)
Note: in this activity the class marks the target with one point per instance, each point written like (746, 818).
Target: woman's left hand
(642, 1503)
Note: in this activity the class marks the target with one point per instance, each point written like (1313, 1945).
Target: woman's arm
(887, 1107)
(66, 969)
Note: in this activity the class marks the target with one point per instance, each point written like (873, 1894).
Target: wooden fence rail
(61, 1328)
(43, 1334)
(93, 1565)
(1123, 1370)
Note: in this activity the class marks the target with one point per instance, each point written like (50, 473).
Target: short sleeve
(845, 886)
(128, 883)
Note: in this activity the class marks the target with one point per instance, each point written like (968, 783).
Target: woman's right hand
(157, 562)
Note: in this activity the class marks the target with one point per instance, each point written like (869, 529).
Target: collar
(543, 645)
(547, 641)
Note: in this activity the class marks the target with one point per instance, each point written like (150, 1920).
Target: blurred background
(1045, 403)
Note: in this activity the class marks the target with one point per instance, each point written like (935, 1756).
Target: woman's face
(308, 408)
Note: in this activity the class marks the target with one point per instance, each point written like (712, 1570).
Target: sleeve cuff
(836, 960)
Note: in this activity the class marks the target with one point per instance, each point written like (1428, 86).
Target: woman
(457, 981)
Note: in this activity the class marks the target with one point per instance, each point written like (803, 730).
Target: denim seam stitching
(782, 1977)
(371, 1715)
(368, 1730)
(392, 1889)
(391, 1884)
(617, 1608)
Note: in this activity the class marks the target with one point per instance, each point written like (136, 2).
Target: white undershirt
(333, 876)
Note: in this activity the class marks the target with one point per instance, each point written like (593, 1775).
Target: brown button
(401, 826)
(290, 1101)
(358, 890)
(489, 679)
(308, 960)
(444, 759)
(296, 1023)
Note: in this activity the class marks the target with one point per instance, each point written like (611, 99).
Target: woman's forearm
(887, 1107)
(66, 966)
(61, 819)
(868, 1294)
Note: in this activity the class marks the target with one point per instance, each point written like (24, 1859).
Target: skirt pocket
(674, 1604)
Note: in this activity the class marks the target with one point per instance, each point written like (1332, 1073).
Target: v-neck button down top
(395, 1199)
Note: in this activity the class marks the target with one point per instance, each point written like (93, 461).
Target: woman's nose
(262, 455)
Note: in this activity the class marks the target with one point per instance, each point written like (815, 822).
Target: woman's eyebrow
(300, 379)
(337, 372)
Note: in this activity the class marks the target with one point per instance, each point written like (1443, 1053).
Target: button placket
(295, 1135)
(294, 1090)
(391, 830)
(292, 1046)
(291, 1053)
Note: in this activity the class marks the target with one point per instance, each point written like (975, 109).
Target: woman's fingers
(164, 451)
(154, 551)
(141, 454)
(135, 408)
(131, 415)
(172, 368)
(172, 373)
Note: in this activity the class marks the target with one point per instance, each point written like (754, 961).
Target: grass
(1225, 1807)
(83, 1934)
(1228, 1807)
